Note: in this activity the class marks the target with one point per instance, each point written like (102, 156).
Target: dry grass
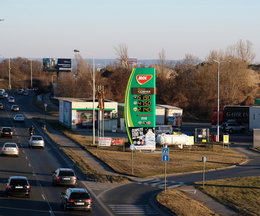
(242, 194)
(150, 164)
(182, 205)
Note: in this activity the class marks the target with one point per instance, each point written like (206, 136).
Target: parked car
(76, 198)
(19, 118)
(1, 106)
(18, 185)
(36, 141)
(6, 131)
(11, 99)
(10, 149)
(15, 108)
(231, 127)
(64, 176)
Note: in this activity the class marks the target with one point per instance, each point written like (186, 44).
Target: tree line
(190, 84)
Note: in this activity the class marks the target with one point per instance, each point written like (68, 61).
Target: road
(37, 165)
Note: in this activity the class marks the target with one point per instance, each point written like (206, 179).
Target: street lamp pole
(93, 93)
(9, 74)
(94, 90)
(218, 62)
(31, 75)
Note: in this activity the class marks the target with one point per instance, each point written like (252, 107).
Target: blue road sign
(165, 158)
(165, 151)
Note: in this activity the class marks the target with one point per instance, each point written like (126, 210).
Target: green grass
(241, 194)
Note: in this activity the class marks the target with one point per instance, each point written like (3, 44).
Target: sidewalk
(212, 204)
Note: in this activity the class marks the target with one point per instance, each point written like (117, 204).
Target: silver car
(36, 141)
(19, 118)
(10, 149)
(64, 176)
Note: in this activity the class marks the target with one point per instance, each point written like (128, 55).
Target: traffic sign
(165, 151)
(132, 147)
(165, 158)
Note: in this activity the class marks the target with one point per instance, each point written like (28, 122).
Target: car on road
(77, 199)
(25, 93)
(15, 108)
(1, 106)
(5, 94)
(6, 132)
(64, 176)
(18, 185)
(19, 118)
(10, 148)
(36, 141)
(231, 127)
(11, 99)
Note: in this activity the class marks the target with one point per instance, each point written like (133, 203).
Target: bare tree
(122, 53)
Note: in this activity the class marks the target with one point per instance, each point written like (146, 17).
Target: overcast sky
(54, 28)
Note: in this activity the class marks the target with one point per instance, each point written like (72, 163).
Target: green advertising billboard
(140, 108)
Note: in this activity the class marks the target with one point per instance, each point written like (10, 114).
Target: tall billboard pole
(140, 108)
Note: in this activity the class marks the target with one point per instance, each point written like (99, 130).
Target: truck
(235, 113)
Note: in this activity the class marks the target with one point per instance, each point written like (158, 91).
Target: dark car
(1, 106)
(76, 198)
(6, 132)
(18, 185)
(15, 108)
(64, 176)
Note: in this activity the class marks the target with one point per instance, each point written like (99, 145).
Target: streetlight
(218, 97)
(93, 94)
(9, 74)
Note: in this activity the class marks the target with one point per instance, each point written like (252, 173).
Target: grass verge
(241, 194)
(150, 164)
(180, 204)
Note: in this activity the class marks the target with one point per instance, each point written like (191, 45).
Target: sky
(54, 28)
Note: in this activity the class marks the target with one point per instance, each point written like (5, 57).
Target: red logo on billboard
(142, 79)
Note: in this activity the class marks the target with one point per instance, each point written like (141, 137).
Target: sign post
(132, 147)
(165, 159)
(140, 108)
(203, 159)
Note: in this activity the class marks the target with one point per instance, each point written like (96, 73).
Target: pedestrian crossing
(160, 183)
(130, 209)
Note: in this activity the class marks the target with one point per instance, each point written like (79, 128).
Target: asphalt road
(36, 165)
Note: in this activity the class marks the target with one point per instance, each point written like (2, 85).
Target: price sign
(140, 105)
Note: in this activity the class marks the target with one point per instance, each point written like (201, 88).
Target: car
(25, 93)
(36, 141)
(20, 91)
(1, 106)
(5, 95)
(231, 127)
(18, 185)
(10, 148)
(77, 199)
(64, 176)
(11, 99)
(15, 108)
(6, 131)
(19, 118)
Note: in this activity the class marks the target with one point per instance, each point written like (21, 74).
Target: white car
(36, 141)
(10, 149)
(15, 108)
(19, 118)
(10, 99)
